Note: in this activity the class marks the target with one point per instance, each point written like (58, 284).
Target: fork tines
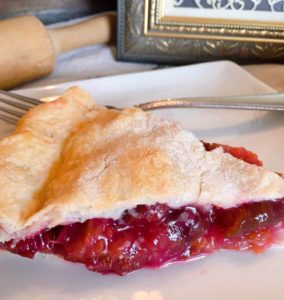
(14, 106)
(8, 119)
(24, 99)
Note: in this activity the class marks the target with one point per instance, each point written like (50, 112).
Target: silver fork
(13, 108)
(8, 113)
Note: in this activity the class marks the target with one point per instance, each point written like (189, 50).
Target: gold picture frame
(157, 31)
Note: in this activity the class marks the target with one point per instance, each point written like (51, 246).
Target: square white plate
(219, 276)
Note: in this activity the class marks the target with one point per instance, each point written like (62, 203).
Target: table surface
(271, 74)
(99, 61)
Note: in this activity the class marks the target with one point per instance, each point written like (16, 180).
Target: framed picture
(184, 31)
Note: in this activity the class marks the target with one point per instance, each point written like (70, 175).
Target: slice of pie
(122, 190)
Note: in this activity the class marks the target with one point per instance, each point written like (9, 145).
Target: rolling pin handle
(98, 30)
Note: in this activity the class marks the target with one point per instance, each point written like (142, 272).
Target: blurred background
(97, 60)
(54, 11)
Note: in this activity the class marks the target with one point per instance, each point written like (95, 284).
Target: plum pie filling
(150, 236)
(153, 235)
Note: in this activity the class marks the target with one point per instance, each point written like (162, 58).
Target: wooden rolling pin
(28, 50)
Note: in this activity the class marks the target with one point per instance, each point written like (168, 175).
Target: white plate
(225, 275)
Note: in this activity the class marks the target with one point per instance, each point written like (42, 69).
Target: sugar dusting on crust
(30, 155)
(110, 161)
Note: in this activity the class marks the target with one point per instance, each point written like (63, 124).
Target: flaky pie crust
(71, 160)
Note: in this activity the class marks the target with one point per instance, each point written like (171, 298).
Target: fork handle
(269, 102)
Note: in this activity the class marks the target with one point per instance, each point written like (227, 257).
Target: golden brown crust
(30, 156)
(115, 160)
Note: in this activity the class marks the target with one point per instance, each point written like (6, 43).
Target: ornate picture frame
(185, 31)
